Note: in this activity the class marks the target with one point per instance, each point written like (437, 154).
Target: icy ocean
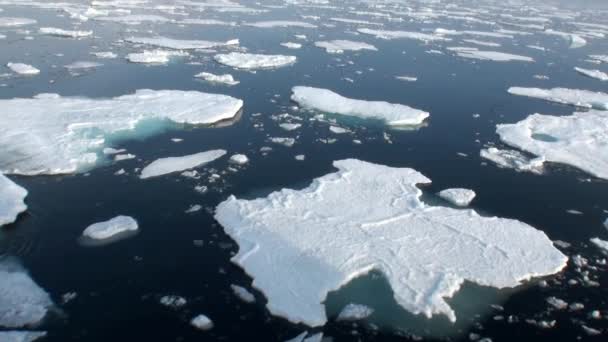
(303, 170)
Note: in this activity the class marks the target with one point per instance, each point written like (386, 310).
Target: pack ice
(11, 200)
(107, 229)
(580, 140)
(168, 165)
(22, 302)
(327, 101)
(376, 221)
(573, 97)
(254, 61)
(50, 134)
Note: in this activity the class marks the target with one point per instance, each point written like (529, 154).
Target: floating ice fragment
(291, 45)
(354, 312)
(179, 44)
(512, 159)
(598, 75)
(21, 336)
(53, 31)
(104, 54)
(173, 301)
(82, 65)
(383, 34)
(601, 244)
(107, 229)
(280, 23)
(254, 61)
(224, 79)
(22, 69)
(11, 200)
(474, 53)
(376, 221)
(242, 293)
(457, 196)
(239, 159)
(327, 101)
(339, 46)
(15, 22)
(573, 97)
(288, 142)
(288, 126)
(202, 322)
(557, 303)
(168, 165)
(154, 56)
(407, 78)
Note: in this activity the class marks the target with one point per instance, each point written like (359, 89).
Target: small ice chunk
(458, 196)
(300, 157)
(496, 56)
(573, 97)
(173, 301)
(339, 46)
(154, 56)
(82, 65)
(125, 156)
(601, 244)
(224, 79)
(243, 294)
(239, 159)
(178, 44)
(292, 45)
(53, 31)
(327, 101)
(16, 22)
(202, 322)
(512, 159)
(168, 165)
(557, 303)
(12, 198)
(193, 209)
(107, 229)
(21, 336)
(22, 69)
(338, 130)
(288, 142)
(105, 54)
(254, 61)
(384, 34)
(598, 75)
(280, 23)
(288, 126)
(355, 312)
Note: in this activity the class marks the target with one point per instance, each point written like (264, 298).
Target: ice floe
(457, 196)
(173, 301)
(601, 244)
(292, 45)
(179, 44)
(80, 65)
(223, 79)
(239, 159)
(354, 312)
(384, 34)
(339, 46)
(579, 140)
(16, 22)
(512, 159)
(496, 56)
(575, 40)
(21, 336)
(597, 74)
(105, 54)
(168, 165)
(52, 31)
(22, 302)
(376, 221)
(108, 229)
(280, 23)
(242, 293)
(65, 134)
(254, 61)
(202, 322)
(574, 97)
(12, 198)
(154, 56)
(327, 101)
(23, 69)
(407, 78)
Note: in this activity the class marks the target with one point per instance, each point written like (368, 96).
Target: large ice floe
(110, 228)
(496, 56)
(327, 101)
(377, 222)
(58, 135)
(22, 302)
(11, 200)
(168, 165)
(52, 31)
(339, 46)
(254, 61)
(21, 336)
(573, 97)
(180, 44)
(579, 140)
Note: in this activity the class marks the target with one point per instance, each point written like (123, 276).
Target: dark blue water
(119, 285)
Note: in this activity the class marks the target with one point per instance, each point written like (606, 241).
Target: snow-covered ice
(354, 312)
(384, 34)
(254, 61)
(110, 228)
(21, 336)
(223, 79)
(168, 165)
(12, 198)
(23, 69)
(239, 159)
(292, 45)
(597, 74)
(154, 56)
(339, 46)
(457, 196)
(376, 221)
(65, 134)
(53, 31)
(180, 44)
(243, 294)
(579, 140)
(201, 322)
(16, 22)
(327, 101)
(574, 97)
(280, 23)
(496, 56)
(22, 301)
(512, 159)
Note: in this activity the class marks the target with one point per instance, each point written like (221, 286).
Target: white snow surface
(58, 135)
(339, 46)
(384, 34)
(21, 336)
(574, 97)
(239, 159)
(327, 101)
(168, 165)
(53, 31)
(22, 301)
(280, 23)
(496, 56)
(254, 61)
(22, 69)
(223, 79)
(107, 229)
(579, 140)
(15, 21)
(457, 196)
(180, 44)
(11, 200)
(376, 221)
(354, 312)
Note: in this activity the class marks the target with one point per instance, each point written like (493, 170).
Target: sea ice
(224, 79)
(168, 165)
(601, 244)
(579, 140)
(243, 294)
(15, 22)
(407, 78)
(354, 312)
(457, 196)
(105, 54)
(22, 302)
(339, 46)
(376, 221)
(173, 301)
(254, 61)
(383, 34)
(239, 159)
(574, 97)
(202, 322)
(291, 45)
(21, 336)
(474, 53)
(327, 101)
(52, 31)
(11, 200)
(288, 126)
(512, 159)
(107, 229)
(22, 69)
(65, 134)
(82, 65)
(154, 56)
(179, 44)
(597, 74)
(280, 23)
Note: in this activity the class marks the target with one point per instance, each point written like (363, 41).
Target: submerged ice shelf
(327, 101)
(377, 222)
(66, 134)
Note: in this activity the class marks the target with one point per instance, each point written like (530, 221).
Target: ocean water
(188, 254)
